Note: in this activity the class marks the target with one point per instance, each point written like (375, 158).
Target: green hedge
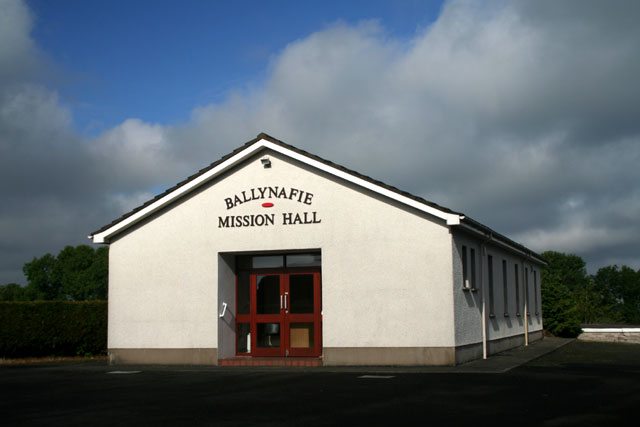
(53, 328)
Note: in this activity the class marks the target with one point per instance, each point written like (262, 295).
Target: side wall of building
(386, 270)
(507, 281)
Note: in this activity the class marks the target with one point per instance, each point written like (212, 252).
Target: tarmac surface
(550, 382)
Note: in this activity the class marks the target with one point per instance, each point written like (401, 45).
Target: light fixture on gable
(266, 162)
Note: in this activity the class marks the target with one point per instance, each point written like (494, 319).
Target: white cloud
(126, 202)
(33, 111)
(140, 152)
(575, 234)
(18, 53)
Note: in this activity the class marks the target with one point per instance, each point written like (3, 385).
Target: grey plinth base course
(496, 364)
(164, 356)
(510, 359)
(376, 356)
(420, 356)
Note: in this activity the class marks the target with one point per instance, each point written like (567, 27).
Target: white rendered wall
(386, 271)
(468, 304)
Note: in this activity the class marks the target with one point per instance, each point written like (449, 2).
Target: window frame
(517, 286)
(505, 286)
(490, 280)
(472, 256)
(465, 269)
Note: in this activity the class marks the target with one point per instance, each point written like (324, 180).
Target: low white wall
(626, 335)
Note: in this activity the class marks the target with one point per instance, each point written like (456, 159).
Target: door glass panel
(268, 261)
(301, 335)
(243, 293)
(268, 294)
(268, 335)
(303, 260)
(301, 291)
(244, 338)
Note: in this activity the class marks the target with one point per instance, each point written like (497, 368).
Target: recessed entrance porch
(276, 310)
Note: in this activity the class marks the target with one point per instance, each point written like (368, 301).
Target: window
(243, 338)
(243, 293)
(526, 291)
(472, 253)
(517, 290)
(468, 269)
(267, 261)
(303, 260)
(505, 293)
(535, 291)
(490, 273)
(247, 262)
(465, 271)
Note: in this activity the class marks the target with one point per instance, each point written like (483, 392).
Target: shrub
(53, 328)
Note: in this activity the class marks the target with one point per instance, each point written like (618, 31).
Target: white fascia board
(159, 204)
(496, 241)
(102, 237)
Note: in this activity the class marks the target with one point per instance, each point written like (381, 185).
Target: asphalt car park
(568, 383)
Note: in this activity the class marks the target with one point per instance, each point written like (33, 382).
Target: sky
(524, 115)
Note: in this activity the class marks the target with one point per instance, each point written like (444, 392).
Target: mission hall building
(274, 256)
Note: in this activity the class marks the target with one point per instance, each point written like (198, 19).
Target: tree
(621, 286)
(568, 270)
(629, 295)
(77, 273)
(594, 304)
(610, 296)
(559, 309)
(43, 278)
(14, 292)
(100, 274)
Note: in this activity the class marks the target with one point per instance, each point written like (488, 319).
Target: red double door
(285, 314)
